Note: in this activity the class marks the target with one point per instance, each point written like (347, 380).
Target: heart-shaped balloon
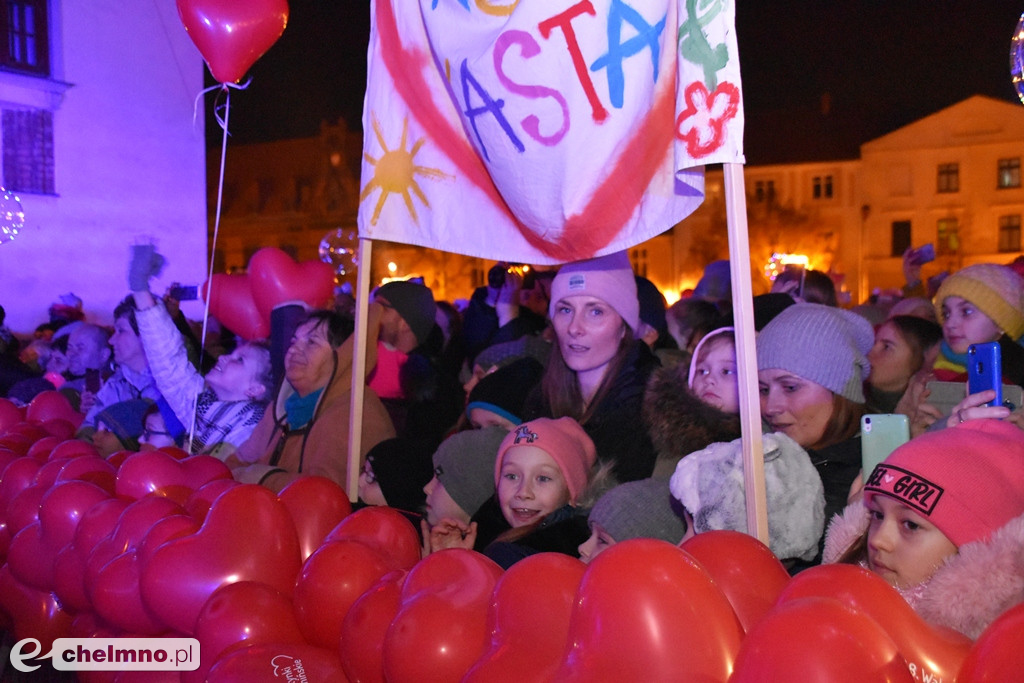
(248, 535)
(365, 627)
(275, 278)
(241, 614)
(156, 472)
(316, 505)
(50, 405)
(35, 613)
(819, 639)
(277, 662)
(743, 567)
(529, 619)
(331, 580)
(231, 303)
(69, 567)
(73, 448)
(384, 529)
(934, 652)
(638, 600)
(10, 415)
(198, 504)
(997, 654)
(59, 427)
(441, 629)
(41, 449)
(232, 35)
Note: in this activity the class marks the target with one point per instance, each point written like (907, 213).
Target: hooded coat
(969, 591)
(321, 448)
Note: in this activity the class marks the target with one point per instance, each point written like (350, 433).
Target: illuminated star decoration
(396, 173)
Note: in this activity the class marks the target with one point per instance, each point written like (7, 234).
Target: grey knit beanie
(464, 464)
(823, 344)
(639, 509)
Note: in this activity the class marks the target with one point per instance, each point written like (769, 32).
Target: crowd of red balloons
(159, 543)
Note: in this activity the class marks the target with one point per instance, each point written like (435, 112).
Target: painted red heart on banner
(156, 472)
(612, 202)
(275, 278)
(182, 574)
(231, 303)
(232, 35)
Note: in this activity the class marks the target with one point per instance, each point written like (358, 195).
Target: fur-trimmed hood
(968, 592)
(678, 422)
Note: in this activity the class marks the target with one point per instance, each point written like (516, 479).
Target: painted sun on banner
(544, 132)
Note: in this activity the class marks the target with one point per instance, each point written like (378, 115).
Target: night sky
(819, 77)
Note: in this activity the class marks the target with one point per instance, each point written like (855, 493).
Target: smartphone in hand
(92, 380)
(985, 370)
(880, 435)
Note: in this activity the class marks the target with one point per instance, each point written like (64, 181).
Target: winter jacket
(678, 422)
(967, 593)
(124, 385)
(279, 455)
(219, 424)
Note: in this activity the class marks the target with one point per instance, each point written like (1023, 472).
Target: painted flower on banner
(702, 124)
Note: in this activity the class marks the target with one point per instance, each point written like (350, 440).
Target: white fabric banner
(544, 131)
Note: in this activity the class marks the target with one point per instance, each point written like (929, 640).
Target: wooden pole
(746, 356)
(355, 415)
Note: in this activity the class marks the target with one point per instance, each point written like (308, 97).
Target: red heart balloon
(51, 405)
(384, 529)
(277, 662)
(997, 654)
(41, 449)
(59, 427)
(69, 568)
(10, 415)
(247, 536)
(441, 629)
(936, 653)
(638, 601)
(198, 504)
(333, 578)
(232, 35)
(156, 472)
(34, 613)
(241, 615)
(277, 278)
(744, 568)
(529, 619)
(231, 303)
(73, 448)
(114, 592)
(365, 627)
(316, 505)
(819, 639)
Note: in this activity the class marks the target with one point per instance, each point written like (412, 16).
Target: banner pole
(746, 354)
(355, 415)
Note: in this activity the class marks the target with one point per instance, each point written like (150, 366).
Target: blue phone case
(985, 370)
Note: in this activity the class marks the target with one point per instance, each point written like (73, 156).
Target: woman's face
(797, 407)
(127, 345)
(310, 359)
(589, 332)
(530, 486)
(904, 548)
(892, 360)
(963, 324)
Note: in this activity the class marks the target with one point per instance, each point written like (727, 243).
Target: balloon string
(225, 89)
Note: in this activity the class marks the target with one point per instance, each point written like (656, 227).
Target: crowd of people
(569, 409)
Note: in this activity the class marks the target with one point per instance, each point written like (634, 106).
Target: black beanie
(504, 391)
(402, 467)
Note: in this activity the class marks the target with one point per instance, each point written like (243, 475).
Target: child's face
(155, 432)
(891, 358)
(903, 547)
(963, 324)
(600, 540)
(235, 377)
(440, 505)
(369, 487)
(105, 441)
(715, 381)
(480, 418)
(530, 486)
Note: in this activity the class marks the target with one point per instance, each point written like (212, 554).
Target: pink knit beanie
(564, 440)
(967, 480)
(609, 278)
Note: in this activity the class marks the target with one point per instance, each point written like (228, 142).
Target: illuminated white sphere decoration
(12, 216)
(337, 250)
(1017, 58)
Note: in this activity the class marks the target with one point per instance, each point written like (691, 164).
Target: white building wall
(129, 161)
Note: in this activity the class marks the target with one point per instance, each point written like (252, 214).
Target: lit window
(1009, 173)
(1009, 233)
(949, 178)
(948, 241)
(822, 187)
(26, 47)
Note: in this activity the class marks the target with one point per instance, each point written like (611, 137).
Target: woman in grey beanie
(812, 364)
